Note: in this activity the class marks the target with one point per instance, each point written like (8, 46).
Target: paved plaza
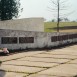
(46, 63)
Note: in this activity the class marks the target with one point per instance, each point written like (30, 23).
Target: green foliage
(53, 20)
(0, 62)
(9, 9)
(75, 76)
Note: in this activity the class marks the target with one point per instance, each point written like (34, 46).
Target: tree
(9, 9)
(66, 19)
(58, 6)
(60, 19)
(53, 20)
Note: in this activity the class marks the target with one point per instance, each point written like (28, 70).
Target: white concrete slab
(55, 56)
(21, 69)
(11, 74)
(19, 55)
(62, 70)
(47, 60)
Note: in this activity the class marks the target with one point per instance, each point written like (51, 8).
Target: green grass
(49, 25)
(0, 62)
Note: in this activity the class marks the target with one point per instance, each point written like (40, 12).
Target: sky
(40, 8)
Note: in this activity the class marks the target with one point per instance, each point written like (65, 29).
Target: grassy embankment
(48, 26)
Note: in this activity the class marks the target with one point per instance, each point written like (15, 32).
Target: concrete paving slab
(55, 56)
(48, 60)
(43, 75)
(62, 52)
(73, 47)
(21, 69)
(62, 70)
(73, 61)
(19, 55)
(71, 50)
(11, 74)
(64, 56)
(28, 63)
(40, 75)
(59, 52)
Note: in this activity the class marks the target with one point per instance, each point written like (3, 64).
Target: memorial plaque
(65, 37)
(8, 40)
(71, 36)
(54, 38)
(75, 35)
(59, 38)
(26, 39)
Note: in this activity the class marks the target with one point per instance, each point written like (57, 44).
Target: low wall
(14, 39)
(27, 24)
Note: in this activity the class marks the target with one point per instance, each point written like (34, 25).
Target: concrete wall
(27, 24)
(41, 39)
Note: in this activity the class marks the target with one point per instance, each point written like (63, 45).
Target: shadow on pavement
(3, 54)
(2, 73)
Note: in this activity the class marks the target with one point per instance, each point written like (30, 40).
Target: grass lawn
(49, 25)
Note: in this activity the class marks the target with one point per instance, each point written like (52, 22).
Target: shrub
(0, 62)
(75, 76)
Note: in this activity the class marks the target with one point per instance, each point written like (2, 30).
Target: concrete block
(27, 24)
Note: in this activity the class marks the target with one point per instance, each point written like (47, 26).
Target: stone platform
(48, 63)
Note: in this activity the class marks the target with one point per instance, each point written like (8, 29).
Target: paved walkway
(52, 63)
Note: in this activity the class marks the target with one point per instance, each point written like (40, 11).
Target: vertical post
(58, 17)
(17, 40)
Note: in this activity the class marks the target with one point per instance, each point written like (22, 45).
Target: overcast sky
(39, 8)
